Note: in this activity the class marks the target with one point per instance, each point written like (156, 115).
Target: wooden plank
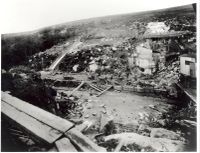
(30, 124)
(64, 145)
(77, 88)
(83, 142)
(189, 123)
(104, 91)
(94, 87)
(56, 63)
(43, 116)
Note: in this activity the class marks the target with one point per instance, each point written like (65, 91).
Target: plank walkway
(45, 126)
(37, 113)
(31, 125)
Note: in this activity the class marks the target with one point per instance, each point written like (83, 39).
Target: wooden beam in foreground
(46, 126)
(31, 125)
(39, 114)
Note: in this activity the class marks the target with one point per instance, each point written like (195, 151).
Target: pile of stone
(110, 65)
(41, 60)
(68, 106)
(166, 77)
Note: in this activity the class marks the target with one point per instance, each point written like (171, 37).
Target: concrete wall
(145, 59)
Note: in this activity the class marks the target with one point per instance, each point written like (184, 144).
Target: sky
(28, 15)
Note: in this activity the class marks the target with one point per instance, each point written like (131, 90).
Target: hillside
(96, 31)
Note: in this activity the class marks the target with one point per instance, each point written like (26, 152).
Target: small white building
(188, 65)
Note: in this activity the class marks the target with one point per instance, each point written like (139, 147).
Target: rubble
(163, 133)
(144, 64)
(155, 144)
(113, 65)
(41, 61)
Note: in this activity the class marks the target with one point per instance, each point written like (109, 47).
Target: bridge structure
(45, 127)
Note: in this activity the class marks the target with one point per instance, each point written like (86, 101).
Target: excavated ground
(118, 111)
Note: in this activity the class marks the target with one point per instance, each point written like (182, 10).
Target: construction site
(117, 83)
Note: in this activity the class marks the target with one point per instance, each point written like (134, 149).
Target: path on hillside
(58, 60)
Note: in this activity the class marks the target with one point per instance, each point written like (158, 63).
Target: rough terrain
(83, 71)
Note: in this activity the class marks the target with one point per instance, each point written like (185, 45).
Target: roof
(188, 55)
(166, 34)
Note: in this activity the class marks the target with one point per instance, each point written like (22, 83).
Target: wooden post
(77, 88)
(104, 91)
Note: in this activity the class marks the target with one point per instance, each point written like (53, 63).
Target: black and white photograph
(99, 75)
